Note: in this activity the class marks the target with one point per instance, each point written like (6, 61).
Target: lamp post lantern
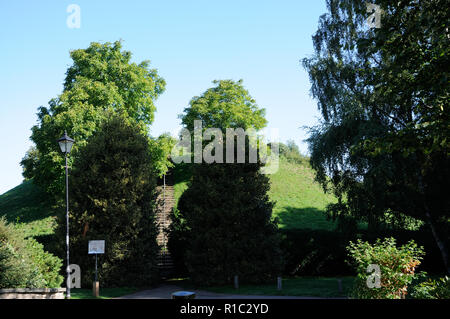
(66, 143)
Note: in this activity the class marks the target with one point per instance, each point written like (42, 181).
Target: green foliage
(397, 267)
(227, 232)
(227, 105)
(432, 289)
(112, 196)
(224, 218)
(382, 146)
(102, 80)
(160, 149)
(24, 263)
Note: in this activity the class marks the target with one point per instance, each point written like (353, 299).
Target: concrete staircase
(166, 202)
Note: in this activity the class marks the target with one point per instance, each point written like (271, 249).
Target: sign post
(96, 247)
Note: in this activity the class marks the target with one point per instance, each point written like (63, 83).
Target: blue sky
(191, 43)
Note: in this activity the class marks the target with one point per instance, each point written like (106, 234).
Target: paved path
(165, 292)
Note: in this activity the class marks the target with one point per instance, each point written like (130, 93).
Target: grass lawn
(105, 293)
(326, 287)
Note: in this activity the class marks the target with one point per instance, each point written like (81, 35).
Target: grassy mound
(300, 201)
(27, 206)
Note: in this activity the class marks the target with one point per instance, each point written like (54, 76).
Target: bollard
(236, 282)
(340, 285)
(279, 283)
(96, 289)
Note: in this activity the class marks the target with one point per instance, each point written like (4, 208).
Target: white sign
(96, 247)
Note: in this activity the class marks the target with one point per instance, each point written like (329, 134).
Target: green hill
(28, 207)
(300, 202)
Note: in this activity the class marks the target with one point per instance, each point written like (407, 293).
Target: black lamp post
(66, 143)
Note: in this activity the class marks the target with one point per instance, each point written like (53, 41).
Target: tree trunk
(441, 244)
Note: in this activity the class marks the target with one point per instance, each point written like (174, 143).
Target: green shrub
(321, 252)
(397, 267)
(432, 289)
(24, 263)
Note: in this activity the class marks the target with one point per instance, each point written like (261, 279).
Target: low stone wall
(30, 293)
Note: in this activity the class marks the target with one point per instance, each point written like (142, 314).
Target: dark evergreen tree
(225, 216)
(227, 213)
(112, 197)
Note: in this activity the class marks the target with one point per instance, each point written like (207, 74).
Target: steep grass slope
(299, 201)
(28, 207)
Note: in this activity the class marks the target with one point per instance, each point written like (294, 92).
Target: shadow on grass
(322, 287)
(105, 293)
(182, 173)
(302, 218)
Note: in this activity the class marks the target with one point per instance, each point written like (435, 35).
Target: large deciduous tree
(383, 89)
(101, 80)
(226, 105)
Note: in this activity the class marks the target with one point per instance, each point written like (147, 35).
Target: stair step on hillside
(166, 203)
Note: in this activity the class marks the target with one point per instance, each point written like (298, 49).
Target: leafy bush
(432, 289)
(24, 263)
(396, 265)
(323, 252)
